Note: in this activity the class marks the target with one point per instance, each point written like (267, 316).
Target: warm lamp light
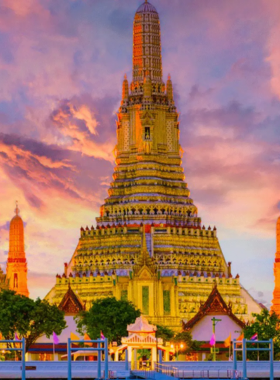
(181, 345)
(172, 346)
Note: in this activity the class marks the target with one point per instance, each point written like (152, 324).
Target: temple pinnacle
(147, 45)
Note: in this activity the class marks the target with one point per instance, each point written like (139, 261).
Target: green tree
(267, 326)
(30, 319)
(165, 333)
(44, 320)
(144, 354)
(109, 316)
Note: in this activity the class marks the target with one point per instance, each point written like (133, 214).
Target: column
(154, 356)
(129, 350)
(135, 358)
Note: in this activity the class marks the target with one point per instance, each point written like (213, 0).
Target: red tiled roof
(214, 305)
(70, 303)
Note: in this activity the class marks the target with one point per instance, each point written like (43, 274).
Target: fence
(22, 349)
(242, 346)
(99, 349)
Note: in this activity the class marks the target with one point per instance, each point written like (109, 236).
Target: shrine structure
(149, 245)
(142, 336)
(276, 294)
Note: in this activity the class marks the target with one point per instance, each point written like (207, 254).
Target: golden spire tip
(17, 209)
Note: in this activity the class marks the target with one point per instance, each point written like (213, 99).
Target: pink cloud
(223, 58)
(81, 135)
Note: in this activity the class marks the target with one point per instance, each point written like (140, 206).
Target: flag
(254, 337)
(101, 335)
(227, 341)
(212, 340)
(16, 336)
(74, 336)
(241, 337)
(55, 338)
(87, 337)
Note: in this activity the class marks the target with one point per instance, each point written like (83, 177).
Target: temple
(150, 245)
(276, 294)
(16, 269)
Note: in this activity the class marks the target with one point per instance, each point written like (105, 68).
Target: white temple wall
(202, 330)
(253, 305)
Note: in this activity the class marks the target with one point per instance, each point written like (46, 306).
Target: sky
(61, 70)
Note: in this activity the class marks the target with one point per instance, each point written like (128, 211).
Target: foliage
(143, 353)
(185, 338)
(44, 320)
(30, 319)
(165, 333)
(109, 316)
(14, 314)
(267, 326)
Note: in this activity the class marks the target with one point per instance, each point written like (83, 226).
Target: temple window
(145, 300)
(15, 280)
(166, 302)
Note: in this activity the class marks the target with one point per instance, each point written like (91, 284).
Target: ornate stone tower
(16, 272)
(276, 294)
(149, 245)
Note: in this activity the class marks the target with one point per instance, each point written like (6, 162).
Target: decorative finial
(146, 1)
(17, 209)
(125, 76)
(169, 77)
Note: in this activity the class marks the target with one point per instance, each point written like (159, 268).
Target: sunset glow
(61, 67)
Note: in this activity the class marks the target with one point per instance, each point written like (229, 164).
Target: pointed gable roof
(144, 266)
(70, 303)
(142, 325)
(215, 305)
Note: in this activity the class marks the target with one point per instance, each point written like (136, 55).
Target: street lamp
(177, 346)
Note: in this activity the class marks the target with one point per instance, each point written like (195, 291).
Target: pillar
(129, 349)
(135, 358)
(154, 356)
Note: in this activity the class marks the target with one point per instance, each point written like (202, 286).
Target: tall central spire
(149, 246)
(146, 44)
